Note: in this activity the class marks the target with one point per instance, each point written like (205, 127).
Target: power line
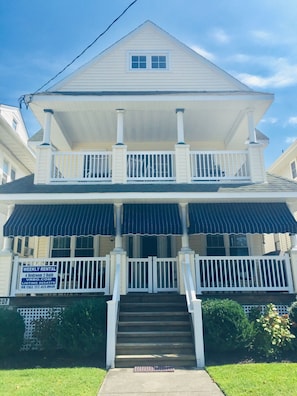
(89, 46)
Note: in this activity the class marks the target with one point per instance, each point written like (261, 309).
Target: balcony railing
(150, 166)
(219, 166)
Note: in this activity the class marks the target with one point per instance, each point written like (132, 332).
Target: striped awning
(54, 220)
(241, 218)
(151, 219)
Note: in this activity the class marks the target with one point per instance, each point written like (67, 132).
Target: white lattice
(30, 314)
(281, 309)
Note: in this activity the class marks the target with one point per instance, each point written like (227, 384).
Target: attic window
(293, 170)
(148, 62)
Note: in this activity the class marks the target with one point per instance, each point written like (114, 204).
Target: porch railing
(60, 275)
(224, 166)
(246, 273)
(81, 166)
(195, 309)
(152, 274)
(112, 317)
(150, 166)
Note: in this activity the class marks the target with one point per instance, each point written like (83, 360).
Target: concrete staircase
(154, 329)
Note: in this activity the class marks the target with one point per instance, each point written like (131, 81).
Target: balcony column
(120, 126)
(7, 241)
(47, 126)
(118, 239)
(180, 126)
(251, 126)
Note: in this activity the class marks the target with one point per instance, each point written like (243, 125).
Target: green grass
(256, 379)
(82, 381)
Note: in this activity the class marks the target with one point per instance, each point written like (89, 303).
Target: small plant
(12, 329)
(226, 326)
(272, 333)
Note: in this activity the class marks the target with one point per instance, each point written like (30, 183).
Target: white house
(16, 158)
(150, 179)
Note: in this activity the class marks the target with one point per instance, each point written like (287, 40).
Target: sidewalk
(181, 382)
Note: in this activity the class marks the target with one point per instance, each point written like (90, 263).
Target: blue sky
(255, 41)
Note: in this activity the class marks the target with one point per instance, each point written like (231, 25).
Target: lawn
(256, 379)
(74, 381)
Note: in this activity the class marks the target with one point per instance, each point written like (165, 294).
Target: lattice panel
(29, 315)
(281, 309)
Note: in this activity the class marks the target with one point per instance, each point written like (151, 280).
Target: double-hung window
(148, 62)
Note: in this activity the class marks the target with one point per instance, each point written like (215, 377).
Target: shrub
(12, 329)
(226, 326)
(293, 312)
(83, 327)
(47, 332)
(272, 334)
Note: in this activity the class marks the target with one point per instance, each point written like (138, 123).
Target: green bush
(293, 312)
(226, 326)
(12, 329)
(80, 329)
(272, 335)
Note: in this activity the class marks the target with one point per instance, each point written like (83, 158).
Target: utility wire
(89, 46)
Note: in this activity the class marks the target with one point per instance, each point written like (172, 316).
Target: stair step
(154, 348)
(152, 306)
(175, 360)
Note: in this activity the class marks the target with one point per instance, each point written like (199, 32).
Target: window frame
(149, 60)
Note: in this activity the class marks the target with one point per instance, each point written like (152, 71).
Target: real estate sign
(39, 277)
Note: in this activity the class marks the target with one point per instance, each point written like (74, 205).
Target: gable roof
(109, 71)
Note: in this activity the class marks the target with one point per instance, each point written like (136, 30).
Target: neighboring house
(16, 158)
(150, 179)
(286, 164)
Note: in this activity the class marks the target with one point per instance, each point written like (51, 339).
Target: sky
(255, 41)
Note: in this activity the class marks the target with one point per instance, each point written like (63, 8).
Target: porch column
(47, 126)
(180, 126)
(7, 241)
(185, 236)
(251, 126)
(120, 126)
(118, 239)
(293, 256)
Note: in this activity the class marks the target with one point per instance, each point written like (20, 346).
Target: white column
(251, 126)
(47, 126)
(118, 238)
(7, 241)
(120, 126)
(294, 241)
(180, 125)
(185, 236)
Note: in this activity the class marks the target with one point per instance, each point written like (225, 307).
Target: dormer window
(148, 61)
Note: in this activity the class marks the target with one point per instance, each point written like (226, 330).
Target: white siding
(187, 71)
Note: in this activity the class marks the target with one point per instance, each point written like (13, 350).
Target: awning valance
(151, 219)
(241, 218)
(54, 220)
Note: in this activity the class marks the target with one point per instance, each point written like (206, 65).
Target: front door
(149, 246)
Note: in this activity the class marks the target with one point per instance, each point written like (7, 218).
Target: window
(159, 62)
(12, 174)
(148, 62)
(238, 245)
(138, 62)
(84, 246)
(215, 245)
(293, 170)
(5, 171)
(61, 246)
(14, 124)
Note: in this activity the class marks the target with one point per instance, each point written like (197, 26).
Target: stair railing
(194, 308)
(112, 316)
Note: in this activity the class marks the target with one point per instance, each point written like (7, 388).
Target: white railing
(225, 166)
(81, 166)
(112, 317)
(60, 275)
(152, 274)
(150, 166)
(195, 309)
(245, 273)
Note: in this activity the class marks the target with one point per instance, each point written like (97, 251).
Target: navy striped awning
(54, 220)
(241, 218)
(151, 219)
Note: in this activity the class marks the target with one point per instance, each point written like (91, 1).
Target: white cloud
(284, 75)
(269, 120)
(290, 140)
(221, 36)
(203, 52)
(262, 35)
(292, 120)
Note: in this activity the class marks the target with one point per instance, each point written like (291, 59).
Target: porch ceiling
(88, 119)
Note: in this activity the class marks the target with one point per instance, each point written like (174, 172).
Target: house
(16, 158)
(150, 181)
(286, 164)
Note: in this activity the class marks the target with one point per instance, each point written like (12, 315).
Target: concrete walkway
(180, 382)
